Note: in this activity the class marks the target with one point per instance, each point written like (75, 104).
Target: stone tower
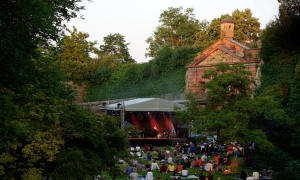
(227, 28)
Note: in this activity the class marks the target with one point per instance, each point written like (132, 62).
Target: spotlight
(119, 105)
(149, 113)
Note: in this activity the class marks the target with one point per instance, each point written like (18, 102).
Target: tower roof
(227, 20)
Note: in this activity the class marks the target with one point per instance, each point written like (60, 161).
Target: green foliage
(290, 171)
(73, 56)
(245, 27)
(39, 123)
(211, 33)
(115, 45)
(277, 159)
(35, 23)
(177, 29)
(91, 142)
(231, 113)
(162, 75)
(280, 52)
(103, 70)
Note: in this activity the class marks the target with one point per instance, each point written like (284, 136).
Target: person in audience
(138, 148)
(177, 147)
(235, 151)
(179, 168)
(208, 166)
(201, 176)
(243, 175)
(163, 168)
(255, 175)
(147, 166)
(192, 149)
(219, 167)
(140, 167)
(163, 156)
(264, 174)
(134, 162)
(204, 157)
(228, 161)
(154, 166)
(187, 163)
(134, 175)
(159, 156)
(221, 160)
(149, 156)
(149, 175)
(200, 162)
(182, 161)
(270, 172)
(216, 158)
(210, 176)
(129, 169)
(184, 172)
(172, 169)
(194, 163)
(146, 148)
(170, 159)
(203, 148)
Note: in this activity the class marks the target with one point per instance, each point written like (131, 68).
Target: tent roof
(146, 104)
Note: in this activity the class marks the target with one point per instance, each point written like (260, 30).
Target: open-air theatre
(155, 118)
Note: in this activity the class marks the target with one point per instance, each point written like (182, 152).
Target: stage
(156, 141)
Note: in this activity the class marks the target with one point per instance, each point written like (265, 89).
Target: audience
(183, 162)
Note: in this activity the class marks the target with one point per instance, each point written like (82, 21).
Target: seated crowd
(175, 160)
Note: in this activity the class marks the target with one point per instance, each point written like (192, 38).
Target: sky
(136, 20)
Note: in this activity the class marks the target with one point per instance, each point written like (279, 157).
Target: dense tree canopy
(280, 71)
(73, 56)
(245, 27)
(229, 107)
(115, 45)
(42, 133)
(178, 27)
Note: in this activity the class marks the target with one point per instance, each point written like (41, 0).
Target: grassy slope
(168, 82)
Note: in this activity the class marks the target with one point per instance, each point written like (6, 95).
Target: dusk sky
(136, 20)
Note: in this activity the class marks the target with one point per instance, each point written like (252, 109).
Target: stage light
(148, 113)
(119, 105)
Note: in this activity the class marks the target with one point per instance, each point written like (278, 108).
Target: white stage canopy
(146, 104)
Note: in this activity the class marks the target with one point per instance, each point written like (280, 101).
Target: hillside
(162, 75)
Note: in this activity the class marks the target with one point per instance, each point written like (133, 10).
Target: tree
(177, 29)
(211, 33)
(74, 55)
(36, 22)
(229, 92)
(38, 120)
(280, 71)
(245, 27)
(231, 112)
(115, 45)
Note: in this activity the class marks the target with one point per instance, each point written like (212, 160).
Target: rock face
(224, 50)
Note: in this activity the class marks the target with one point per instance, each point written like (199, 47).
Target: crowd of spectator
(175, 160)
